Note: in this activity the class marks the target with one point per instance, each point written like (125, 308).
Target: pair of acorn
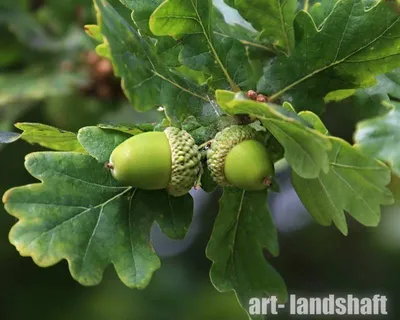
(171, 160)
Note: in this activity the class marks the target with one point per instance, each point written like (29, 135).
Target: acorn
(238, 158)
(157, 160)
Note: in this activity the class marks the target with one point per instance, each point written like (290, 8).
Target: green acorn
(157, 160)
(238, 158)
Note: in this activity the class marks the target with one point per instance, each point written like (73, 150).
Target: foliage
(184, 57)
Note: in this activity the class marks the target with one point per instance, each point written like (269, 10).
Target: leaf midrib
(236, 225)
(232, 83)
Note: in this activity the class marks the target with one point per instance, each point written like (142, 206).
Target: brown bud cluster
(253, 95)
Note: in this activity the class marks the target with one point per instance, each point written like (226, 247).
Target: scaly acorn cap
(224, 142)
(186, 163)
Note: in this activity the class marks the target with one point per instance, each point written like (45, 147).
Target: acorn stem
(197, 184)
(109, 165)
(267, 181)
(205, 144)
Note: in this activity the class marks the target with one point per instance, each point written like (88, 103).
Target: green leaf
(174, 215)
(336, 56)
(81, 214)
(131, 129)
(228, 23)
(242, 230)
(316, 122)
(306, 150)
(141, 12)
(194, 75)
(187, 17)
(202, 133)
(389, 83)
(338, 95)
(103, 50)
(207, 182)
(320, 10)
(49, 137)
(178, 17)
(168, 52)
(93, 31)
(167, 48)
(354, 183)
(379, 137)
(9, 137)
(223, 98)
(100, 143)
(272, 18)
(197, 55)
(145, 79)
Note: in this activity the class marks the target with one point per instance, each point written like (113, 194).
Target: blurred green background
(50, 73)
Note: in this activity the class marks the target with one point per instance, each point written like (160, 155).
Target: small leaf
(49, 137)
(232, 56)
(178, 17)
(103, 50)
(316, 121)
(9, 114)
(202, 133)
(131, 129)
(242, 230)
(100, 143)
(379, 137)
(141, 12)
(174, 214)
(336, 56)
(354, 183)
(272, 18)
(93, 31)
(391, 83)
(207, 182)
(321, 10)
(227, 22)
(224, 97)
(9, 137)
(338, 95)
(306, 150)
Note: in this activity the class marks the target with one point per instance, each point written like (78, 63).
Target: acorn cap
(186, 164)
(221, 145)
